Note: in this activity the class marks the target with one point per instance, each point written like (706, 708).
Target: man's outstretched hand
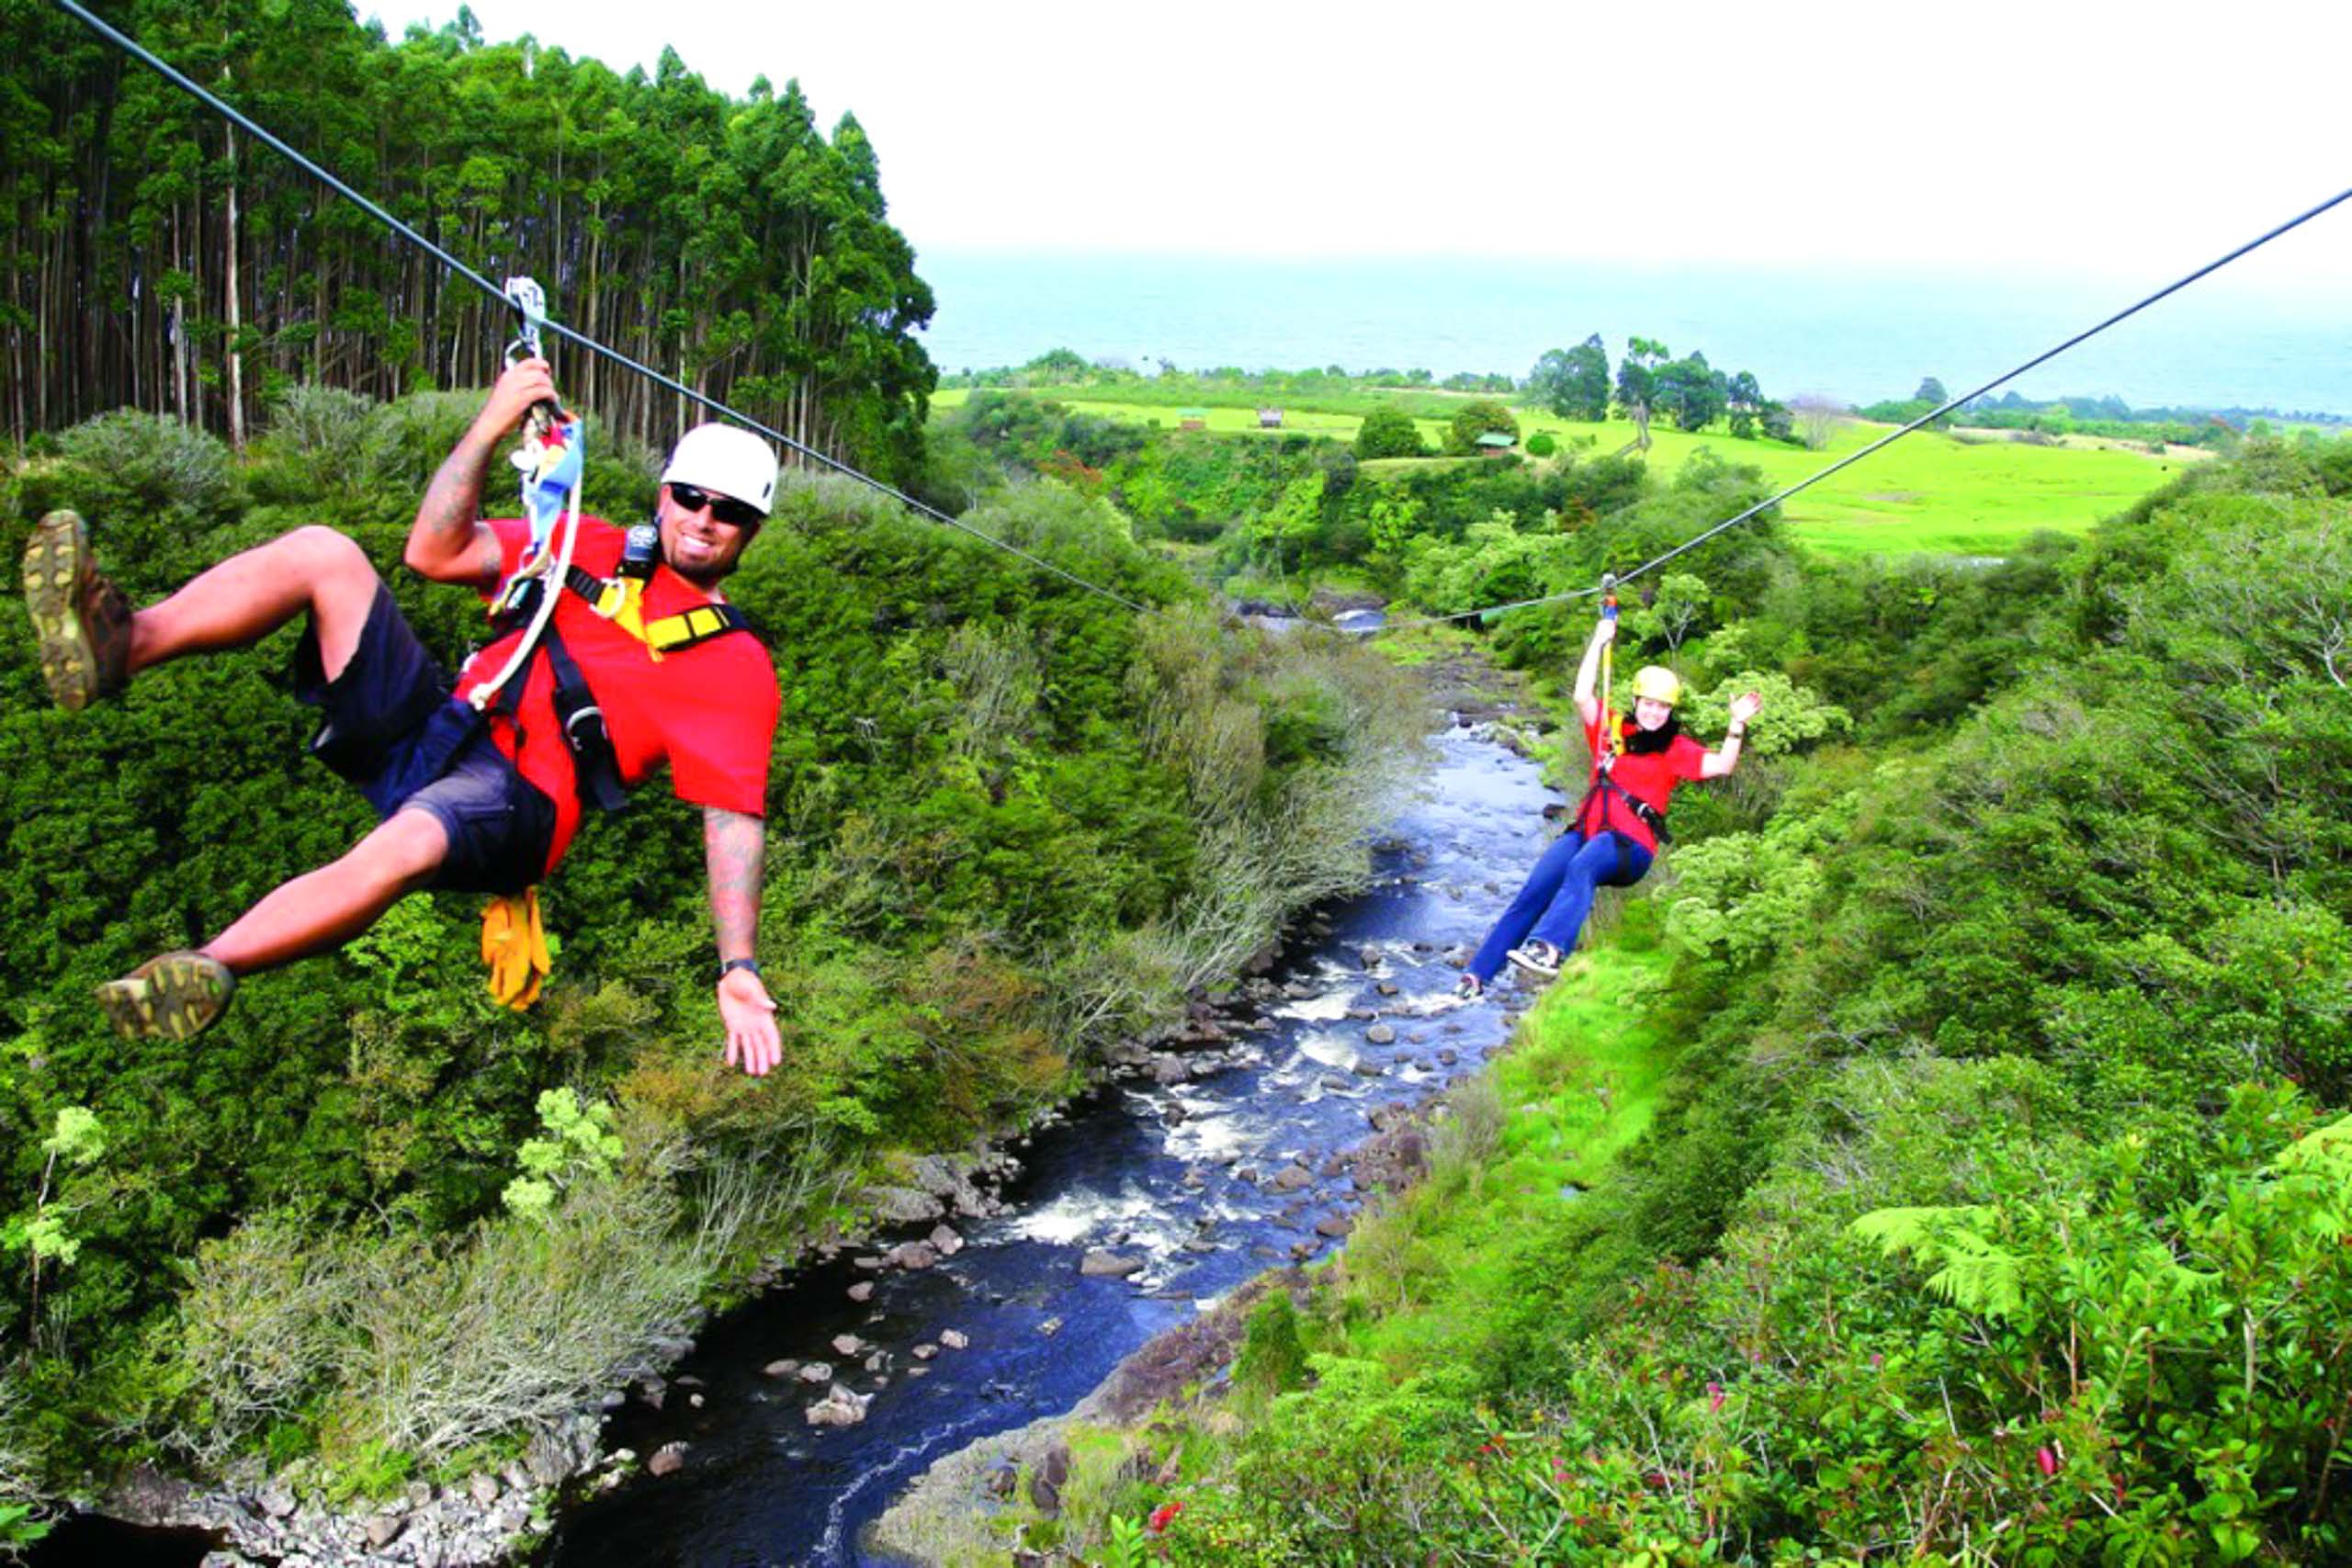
(749, 1013)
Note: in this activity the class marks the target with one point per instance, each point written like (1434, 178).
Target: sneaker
(1469, 988)
(170, 998)
(81, 620)
(1539, 959)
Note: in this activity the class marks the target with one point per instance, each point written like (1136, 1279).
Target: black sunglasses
(726, 508)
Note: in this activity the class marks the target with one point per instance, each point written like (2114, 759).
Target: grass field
(1580, 1082)
(1926, 492)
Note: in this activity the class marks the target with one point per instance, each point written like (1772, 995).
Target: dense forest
(155, 258)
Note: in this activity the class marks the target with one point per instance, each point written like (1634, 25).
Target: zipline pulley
(553, 463)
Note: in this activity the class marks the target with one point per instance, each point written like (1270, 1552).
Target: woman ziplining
(1636, 762)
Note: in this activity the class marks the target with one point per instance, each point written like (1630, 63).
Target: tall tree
(1690, 392)
(1573, 382)
(147, 260)
(1637, 385)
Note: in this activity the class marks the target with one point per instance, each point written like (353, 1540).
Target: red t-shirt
(709, 711)
(1649, 779)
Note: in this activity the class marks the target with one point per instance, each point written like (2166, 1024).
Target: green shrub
(1388, 433)
(1542, 445)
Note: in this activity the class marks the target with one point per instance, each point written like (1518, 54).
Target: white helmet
(727, 459)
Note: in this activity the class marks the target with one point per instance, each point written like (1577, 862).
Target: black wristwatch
(734, 963)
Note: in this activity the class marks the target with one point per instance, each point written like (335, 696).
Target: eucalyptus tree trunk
(235, 313)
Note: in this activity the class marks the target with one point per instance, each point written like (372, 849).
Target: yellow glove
(515, 948)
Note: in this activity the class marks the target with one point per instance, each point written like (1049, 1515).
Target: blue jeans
(1558, 895)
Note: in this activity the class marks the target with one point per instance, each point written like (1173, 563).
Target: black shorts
(390, 727)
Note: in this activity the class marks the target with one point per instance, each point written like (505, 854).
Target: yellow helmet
(1658, 684)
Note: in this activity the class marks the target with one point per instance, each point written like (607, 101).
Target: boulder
(952, 1339)
(783, 1369)
(1381, 1034)
(668, 1460)
(945, 1242)
(903, 1205)
(1101, 1264)
(816, 1372)
(840, 1407)
(848, 1345)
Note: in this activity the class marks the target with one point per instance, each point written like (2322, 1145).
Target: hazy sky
(2134, 140)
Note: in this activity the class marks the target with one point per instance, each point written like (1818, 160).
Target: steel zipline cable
(136, 50)
(1893, 436)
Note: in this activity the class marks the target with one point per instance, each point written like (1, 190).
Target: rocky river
(1225, 1153)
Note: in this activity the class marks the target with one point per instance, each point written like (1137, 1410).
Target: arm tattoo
(451, 510)
(733, 845)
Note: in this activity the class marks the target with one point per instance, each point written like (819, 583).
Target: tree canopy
(157, 260)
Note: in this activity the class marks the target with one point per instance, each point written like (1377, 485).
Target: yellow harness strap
(515, 948)
(623, 604)
(676, 631)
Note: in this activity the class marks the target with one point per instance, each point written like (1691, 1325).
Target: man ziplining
(642, 661)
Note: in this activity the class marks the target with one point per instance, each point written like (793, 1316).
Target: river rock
(1334, 1225)
(954, 1340)
(1100, 1263)
(1381, 1034)
(1386, 987)
(923, 1352)
(816, 1372)
(848, 1345)
(862, 1291)
(1050, 1328)
(668, 1460)
(1167, 1069)
(1291, 1178)
(783, 1369)
(1363, 1067)
(276, 1501)
(903, 1205)
(945, 1242)
(840, 1407)
(913, 1255)
(384, 1529)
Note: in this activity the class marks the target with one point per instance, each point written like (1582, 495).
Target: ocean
(2251, 336)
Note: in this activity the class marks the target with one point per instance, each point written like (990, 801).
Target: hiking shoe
(1539, 959)
(81, 620)
(1469, 988)
(168, 997)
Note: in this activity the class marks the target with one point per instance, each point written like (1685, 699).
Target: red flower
(1714, 1397)
(2046, 1459)
(1164, 1516)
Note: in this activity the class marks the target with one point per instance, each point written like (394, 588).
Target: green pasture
(1926, 492)
(1579, 1083)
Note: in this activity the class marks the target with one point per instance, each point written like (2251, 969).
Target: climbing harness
(1604, 784)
